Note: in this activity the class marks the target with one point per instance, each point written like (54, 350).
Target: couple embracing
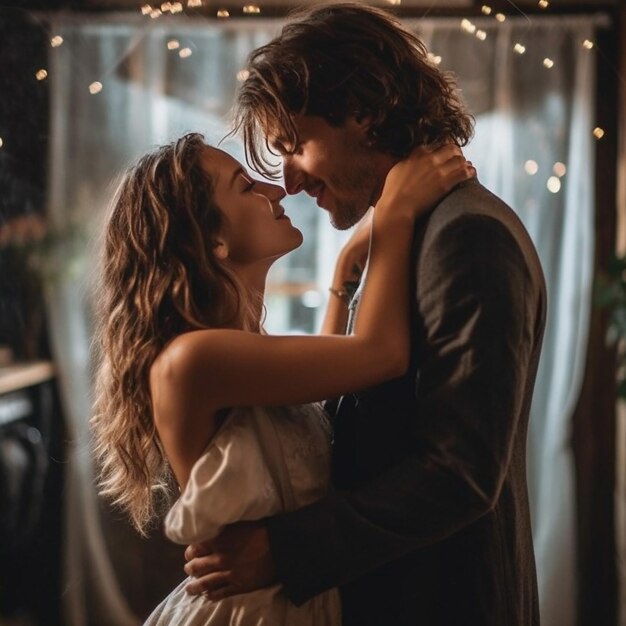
(402, 500)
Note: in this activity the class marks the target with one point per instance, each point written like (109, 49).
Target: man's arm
(483, 315)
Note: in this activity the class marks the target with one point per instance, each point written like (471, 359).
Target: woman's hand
(414, 185)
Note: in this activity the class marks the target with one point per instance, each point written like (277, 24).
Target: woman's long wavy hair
(347, 59)
(158, 278)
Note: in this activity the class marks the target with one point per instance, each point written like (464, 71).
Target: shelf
(22, 375)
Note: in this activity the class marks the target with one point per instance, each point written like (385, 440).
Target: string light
(251, 8)
(41, 75)
(598, 132)
(223, 13)
(519, 48)
(588, 44)
(177, 7)
(56, 41)
(553, 184)
(500, 17)
(481, 34)
(242, 75)
(184, 53)
(173, 44)
(1, 142)
(194, 3)
(467, 26)
(543, 4)
(155, 13)
(394, 2)
(166, 6)
(146, 9)
(486, 9)
(549, 63)
(95, 87)
(559, 169)
(531, 167)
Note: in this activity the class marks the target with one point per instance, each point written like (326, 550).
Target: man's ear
(220, 249)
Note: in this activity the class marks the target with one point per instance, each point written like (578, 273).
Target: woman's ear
(220, 249)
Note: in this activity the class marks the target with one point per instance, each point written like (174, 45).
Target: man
(428, 519)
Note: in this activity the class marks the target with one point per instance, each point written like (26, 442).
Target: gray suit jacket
(428, 521)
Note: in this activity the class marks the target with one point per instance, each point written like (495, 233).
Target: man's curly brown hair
(339, 60)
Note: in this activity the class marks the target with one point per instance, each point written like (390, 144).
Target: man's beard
(361, 181)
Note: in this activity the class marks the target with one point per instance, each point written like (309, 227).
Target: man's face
(335, 166)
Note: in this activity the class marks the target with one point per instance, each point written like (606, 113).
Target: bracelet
(340, 293)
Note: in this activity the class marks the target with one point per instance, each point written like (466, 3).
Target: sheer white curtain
(151, 94)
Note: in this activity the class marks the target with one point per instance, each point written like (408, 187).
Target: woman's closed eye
(249, 184)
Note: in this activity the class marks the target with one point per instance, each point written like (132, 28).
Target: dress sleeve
(229, 483)
(483, 312)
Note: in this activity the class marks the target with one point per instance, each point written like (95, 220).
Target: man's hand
(236, 561)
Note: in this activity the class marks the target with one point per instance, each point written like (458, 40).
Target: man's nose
(294, 177)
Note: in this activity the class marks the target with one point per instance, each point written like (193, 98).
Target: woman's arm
(225, 368)
(349, 268)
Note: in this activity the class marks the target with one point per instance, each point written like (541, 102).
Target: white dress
(260, 462)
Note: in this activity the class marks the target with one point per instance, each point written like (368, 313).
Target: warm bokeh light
(553, 184)
(531, 167)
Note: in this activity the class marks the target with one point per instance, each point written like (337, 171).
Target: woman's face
(257, 228)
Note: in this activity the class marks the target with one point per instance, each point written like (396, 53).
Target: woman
(185, 367)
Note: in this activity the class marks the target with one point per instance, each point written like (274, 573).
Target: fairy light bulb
(531, 167)
(95, 87)
(519, 48)
(467, 26)
(553, 184)
(146, 9)
(543, 4)
(251, 9)
(1, 142)
(500, 17)
(173, 44)
(242, 75)
(486, 9)
(549, 63)
(56, 41)
(481, 34)
(588, 44)
(598, 132)
(192, 4)
(559, 169)
(41, 74)
(185, 53)
(223, 13)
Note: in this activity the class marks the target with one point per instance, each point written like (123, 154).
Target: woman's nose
(273, 192)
